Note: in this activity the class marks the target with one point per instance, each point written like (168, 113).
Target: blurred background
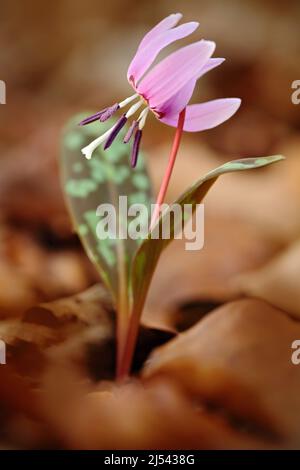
(63, 57)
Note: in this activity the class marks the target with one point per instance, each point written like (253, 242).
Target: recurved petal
(202, 116)
(211, 64)
(180, 100)
(176, 103)
(172, 73)
(145, 56)
(163, 25)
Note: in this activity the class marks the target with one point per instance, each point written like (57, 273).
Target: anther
(130, 132)
(135, 148)
(109, 112)
(115, 131)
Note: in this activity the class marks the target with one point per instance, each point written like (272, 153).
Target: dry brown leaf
(52, 322)
(238, 359)
(14, 330)
(276, 282)
(79, 329)
(89, 307)
(31, 273)
(131, 416)
(16, 293)
(22, 420)
(268, 198)
(66, 327)
(16, 393)
(29, 184)
(205, 276)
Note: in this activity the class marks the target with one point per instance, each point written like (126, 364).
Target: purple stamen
(135, 148)
(109, 112)
(102, 115)
(115, 131)
(92, 118)
(130, 132)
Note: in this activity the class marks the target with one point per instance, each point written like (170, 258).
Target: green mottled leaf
(147, 256)
(140, 181)
(101, 180)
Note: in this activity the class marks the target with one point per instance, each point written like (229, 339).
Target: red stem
(130, 346)
(133, 326)
(165, 182)
(121, 337)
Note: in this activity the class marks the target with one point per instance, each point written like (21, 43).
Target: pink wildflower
(167, 88)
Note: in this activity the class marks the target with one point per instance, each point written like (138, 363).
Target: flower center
(135, 128)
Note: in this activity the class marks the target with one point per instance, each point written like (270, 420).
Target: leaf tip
(264, 161)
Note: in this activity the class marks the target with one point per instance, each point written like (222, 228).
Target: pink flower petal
(211, 64)
(176, 103)
(200, 117)
(172, 73)
(164, 25)
(145, 56)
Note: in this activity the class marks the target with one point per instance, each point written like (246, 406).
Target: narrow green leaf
(101, 180)
(148, 254)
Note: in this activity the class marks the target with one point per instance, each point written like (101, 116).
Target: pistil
(89, 149)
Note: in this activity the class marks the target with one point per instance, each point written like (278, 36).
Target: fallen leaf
(206, 276)
(238, 360)
(133, 415)
(277, 281)
(251, 196)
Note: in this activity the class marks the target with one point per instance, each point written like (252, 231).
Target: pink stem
(132, 335)
(133, 327)
(168, 173)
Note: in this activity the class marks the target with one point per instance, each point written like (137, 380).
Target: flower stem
(123, 301)
(121, 337)
(133, 326)
(168, 173)
(132, 334)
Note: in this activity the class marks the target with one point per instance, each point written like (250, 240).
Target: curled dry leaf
(91, 307)
(276, 282)
(131, 416)
(65, 327)
(14, 329)
(238, 361)
(231, 246)
(21, 417)
(29, 187)
(31, 273)
(16, 394)
(79, 329)
(16, 293)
